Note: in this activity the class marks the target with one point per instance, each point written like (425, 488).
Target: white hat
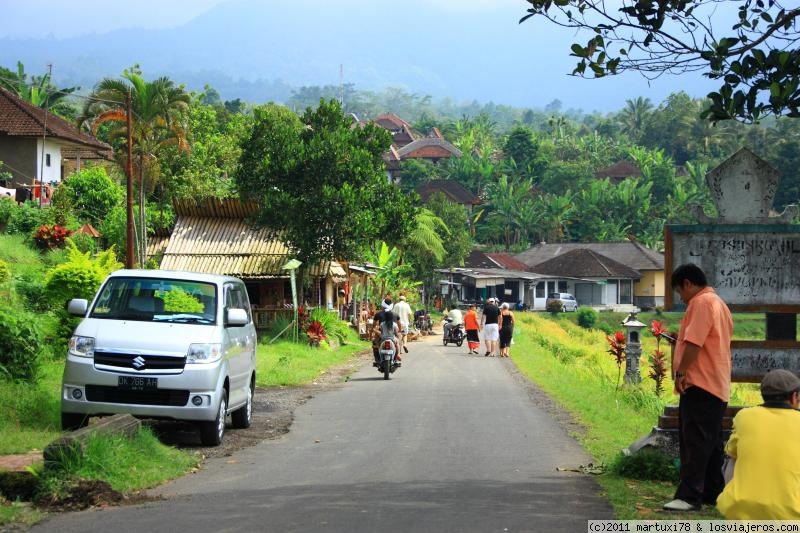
(402, 297)
(491, 300)
(387, 306)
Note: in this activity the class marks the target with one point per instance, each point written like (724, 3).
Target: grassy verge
(285, 363)
(573, 367)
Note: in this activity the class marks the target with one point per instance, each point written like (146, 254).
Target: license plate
(137, 383)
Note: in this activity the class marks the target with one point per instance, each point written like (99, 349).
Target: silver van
(163, 344)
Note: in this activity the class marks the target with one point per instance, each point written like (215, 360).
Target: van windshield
(157, 300)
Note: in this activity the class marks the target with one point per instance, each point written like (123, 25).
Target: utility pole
(44, 136)
(129, 192)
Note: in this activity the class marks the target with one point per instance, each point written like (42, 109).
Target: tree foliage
(321, 181)
(756, 58)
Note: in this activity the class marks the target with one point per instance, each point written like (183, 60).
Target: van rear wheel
(211, 433)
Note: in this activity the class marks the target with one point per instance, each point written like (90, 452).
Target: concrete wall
(50, 172)
(20, 156)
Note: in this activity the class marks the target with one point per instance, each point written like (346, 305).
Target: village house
(452, 190)
(212, 237)
(39, 147)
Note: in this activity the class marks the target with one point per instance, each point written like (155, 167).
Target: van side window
(235, 298)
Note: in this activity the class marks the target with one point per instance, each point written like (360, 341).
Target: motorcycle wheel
(459, 342)
(444, 340)
(387, 369)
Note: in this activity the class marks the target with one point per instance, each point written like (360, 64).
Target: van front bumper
(191, 395)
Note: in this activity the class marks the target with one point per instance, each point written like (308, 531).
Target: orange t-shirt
(471, 320)
(708, 324)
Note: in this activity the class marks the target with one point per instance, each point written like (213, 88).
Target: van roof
(172, 274)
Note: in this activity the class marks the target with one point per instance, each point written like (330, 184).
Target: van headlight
(204, 353)
(81, 346)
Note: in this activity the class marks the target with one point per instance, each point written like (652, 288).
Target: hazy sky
(495, 60)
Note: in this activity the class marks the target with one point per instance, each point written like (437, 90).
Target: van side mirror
(77, 307)
(236, 317)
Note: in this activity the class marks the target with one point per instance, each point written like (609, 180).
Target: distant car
(567, 301)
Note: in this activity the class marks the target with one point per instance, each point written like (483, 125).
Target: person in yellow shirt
(764, 442)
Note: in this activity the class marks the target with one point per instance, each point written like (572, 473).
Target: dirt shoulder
(273, 413)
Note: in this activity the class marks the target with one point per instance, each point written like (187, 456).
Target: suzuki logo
(138, 362)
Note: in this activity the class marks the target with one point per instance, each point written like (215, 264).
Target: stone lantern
(633, 350)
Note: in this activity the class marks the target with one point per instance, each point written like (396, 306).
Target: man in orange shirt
(701, 368)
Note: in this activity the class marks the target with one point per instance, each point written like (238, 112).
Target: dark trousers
(700, 436)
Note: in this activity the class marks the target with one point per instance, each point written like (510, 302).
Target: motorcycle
(423, 323)
(388, 357)
(453, 333)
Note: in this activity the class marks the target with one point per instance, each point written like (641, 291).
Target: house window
(625, 292)
(551, 287)
(47, 159)
(562, 286)
(540, 289)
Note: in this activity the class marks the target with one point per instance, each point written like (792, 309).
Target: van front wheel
(73, 421)
(211, 433)
(243, 416)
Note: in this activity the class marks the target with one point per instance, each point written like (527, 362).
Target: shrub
(84, 243)
(646, 464)
(316, 333)
(554, 307)
(20, 344)
(48, 237)
(27, 217)
(92, 193)
(5, 272)
(80, 276)
(587, 317)
(335, 328)
(30, 287)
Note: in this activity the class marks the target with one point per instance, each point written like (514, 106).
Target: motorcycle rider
(455, 319)
(403, 312)
(385, 315)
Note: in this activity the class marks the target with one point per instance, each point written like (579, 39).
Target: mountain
(259, 51)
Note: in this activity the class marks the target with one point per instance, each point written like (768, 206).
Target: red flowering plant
(617, 347)
(48, 237)
(315, 333)
(658, 363)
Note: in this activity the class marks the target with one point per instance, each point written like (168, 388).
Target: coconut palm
(158, 111)
(635, 116)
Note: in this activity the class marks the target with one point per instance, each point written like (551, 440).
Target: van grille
(152, 363)
(170, 397)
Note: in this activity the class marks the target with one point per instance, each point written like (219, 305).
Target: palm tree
(158, 109)
(39, 91)
(425, 235)
(635, 116)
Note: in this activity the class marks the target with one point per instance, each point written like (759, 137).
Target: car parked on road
(567, 301)
(163, 344)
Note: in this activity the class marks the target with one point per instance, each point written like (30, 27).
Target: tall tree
(158, 113)
(756, 58)
(322, 182)
(635, 116)
(38, 90)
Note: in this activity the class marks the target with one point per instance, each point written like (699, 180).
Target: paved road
(451, 443)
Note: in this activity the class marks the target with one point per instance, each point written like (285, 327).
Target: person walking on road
(472, 327)
(506, 329)
(701, 369)
(766, 475)
(403, 312)
(491, 330)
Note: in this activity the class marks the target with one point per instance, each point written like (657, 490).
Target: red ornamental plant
(658, 364)
(316, 333)
(48, 237)
(617, 349)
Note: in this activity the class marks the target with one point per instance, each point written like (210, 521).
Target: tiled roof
(19, 118)
(620, 169)
(390, 119)
(89, 230)
(506, 261)
(631, 254)
(450, 188)
(584, 263)
(428, 142)
(85, 154)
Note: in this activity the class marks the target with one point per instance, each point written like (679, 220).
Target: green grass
(573, 367)
(30, 418)
(19, 514)
(125, 463)
(285, 363)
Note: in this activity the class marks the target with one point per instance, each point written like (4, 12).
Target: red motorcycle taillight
(387, 345)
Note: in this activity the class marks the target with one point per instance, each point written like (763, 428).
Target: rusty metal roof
(228, 246)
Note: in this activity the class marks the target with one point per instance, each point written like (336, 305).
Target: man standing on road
(489, 323)
(701, 369)
(403, 312)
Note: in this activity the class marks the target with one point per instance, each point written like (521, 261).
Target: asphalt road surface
(450, 443)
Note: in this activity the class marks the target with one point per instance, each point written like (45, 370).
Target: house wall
(649, 291)
(20, 156)
(52, 172)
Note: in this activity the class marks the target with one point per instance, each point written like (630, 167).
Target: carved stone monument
(751, 257)
(633, 349)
